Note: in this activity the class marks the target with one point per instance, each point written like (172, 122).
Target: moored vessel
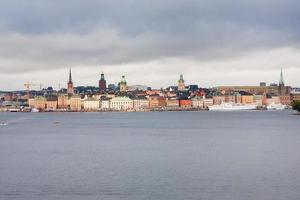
(232, 107)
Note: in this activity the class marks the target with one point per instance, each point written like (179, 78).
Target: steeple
(281, 81)
(70, 76)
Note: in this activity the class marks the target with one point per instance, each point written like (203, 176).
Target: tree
(296, 105)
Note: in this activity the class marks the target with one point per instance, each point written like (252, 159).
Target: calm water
(161, 155)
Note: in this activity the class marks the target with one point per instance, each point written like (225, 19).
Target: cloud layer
(155, 40)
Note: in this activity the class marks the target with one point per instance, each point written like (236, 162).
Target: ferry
(34, 110)
(276, 106)
(232, 107)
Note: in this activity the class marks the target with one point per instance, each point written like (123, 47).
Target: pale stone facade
(91, 104)
(121, 103)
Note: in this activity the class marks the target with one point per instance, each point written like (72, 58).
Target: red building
(185, 103)
(102, 84)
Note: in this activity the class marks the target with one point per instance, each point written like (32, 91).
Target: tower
(282, 90)
(123, 84)
(281, 81)
(102, 83)
(181, 85)
(70, 89)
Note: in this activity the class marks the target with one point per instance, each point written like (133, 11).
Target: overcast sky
(152, 42)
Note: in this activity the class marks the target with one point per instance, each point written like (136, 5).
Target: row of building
(124, 97)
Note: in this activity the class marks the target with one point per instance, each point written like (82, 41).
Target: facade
(102, 84)
(247, 99)
(197, 102)
(70, 87)
(157, 101)
(285, 99)
(185, 103)
(121, 103)
(258, 100)
(172, 103)
(91, 104)
(140, 103)
(63, 102)
(76, 103)
(104, 103)
(123, 84)
(51, 103)
(40, 102)
(31, 103)
(217, 100)
(181, 84)
(208, 102)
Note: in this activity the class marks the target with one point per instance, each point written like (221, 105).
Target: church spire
(281, 81)
(70, 76)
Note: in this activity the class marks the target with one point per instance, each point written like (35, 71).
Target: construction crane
(29, 85)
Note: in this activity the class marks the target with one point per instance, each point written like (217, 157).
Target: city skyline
(102, 76)
(211, 43)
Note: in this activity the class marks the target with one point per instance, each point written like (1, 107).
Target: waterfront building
(295, 95)
(104, 103)
(76, 103)
(156, 101)
(40, 102)
(51, 103)
(70, 86)
(91, 104)
(172, 102)
(121, 103)
(208, 102)
(31, 102)
(140, 102)
(285, 99)
(185, 103)
(102, 84)
(258, 99)
(181, 84)
(197, 102)
(229, 98)
(217, 100)
(63, 101)
(247, 98)
(272, 99)
(123, 84)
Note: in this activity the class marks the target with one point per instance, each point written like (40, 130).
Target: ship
(232, 107)
(276, 106)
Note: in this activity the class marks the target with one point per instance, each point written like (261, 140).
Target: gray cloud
(52, 34)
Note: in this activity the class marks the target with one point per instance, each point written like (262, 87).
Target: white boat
(232, 107)
(3, 124)
(34, 110)
(276, 106)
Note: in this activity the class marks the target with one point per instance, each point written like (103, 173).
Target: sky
(151, 42)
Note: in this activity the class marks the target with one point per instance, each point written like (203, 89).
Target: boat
(232, 107)
(3, 124)
(34, 110)
(276, 106)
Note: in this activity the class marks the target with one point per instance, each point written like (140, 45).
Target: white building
(91, 104)
(121, 103)
(104, 103)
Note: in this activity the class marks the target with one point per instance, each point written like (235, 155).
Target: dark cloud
(55, 34)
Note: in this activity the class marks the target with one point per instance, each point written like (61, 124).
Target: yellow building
(40, 102)
(63, 102)
(76, 103)
(247, 99)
